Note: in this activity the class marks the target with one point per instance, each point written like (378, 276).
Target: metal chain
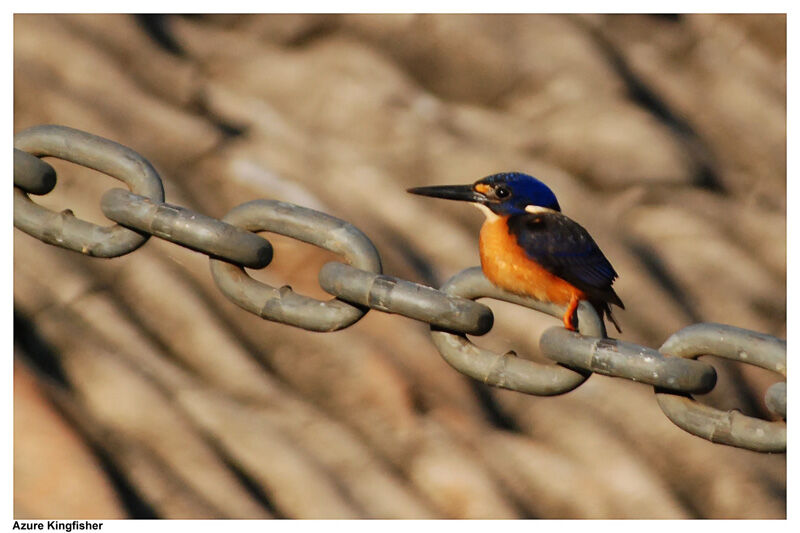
(356, 287)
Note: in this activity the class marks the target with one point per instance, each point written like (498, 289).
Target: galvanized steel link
(775, 398)
(412, 300)
(64, 229)
(615, 358)
(726, 427)
(284, 305)
(187, 228)
(31, 174)
(507, 370)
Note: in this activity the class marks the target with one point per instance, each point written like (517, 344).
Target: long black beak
(451, 192)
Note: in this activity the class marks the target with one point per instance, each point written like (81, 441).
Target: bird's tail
(613, 320)
(604, 310)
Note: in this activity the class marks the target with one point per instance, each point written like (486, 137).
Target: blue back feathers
(564, 248)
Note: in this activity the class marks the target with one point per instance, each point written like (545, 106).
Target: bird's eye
(502, 192)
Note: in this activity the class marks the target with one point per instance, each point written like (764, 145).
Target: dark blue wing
(563, 248)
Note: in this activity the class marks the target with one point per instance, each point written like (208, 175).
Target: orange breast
(507, 266)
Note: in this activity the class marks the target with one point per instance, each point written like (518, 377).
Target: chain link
(727, 427)
(775, 398)
(360, 285)
(284, 305)
(188, 228)
(507, 370)
(33, 175)
(615, 358)
(401, 297)
(63, 229)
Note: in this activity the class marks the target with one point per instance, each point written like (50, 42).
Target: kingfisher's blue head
(507, 193)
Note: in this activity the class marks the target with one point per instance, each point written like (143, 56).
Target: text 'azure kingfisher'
(528, 247)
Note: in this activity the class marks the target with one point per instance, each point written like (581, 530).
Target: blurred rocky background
(141, 391)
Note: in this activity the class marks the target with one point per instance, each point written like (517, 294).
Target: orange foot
(571, 316)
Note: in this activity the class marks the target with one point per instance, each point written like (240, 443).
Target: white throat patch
(490, 215)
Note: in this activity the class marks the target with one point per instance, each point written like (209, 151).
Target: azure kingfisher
(529, 248)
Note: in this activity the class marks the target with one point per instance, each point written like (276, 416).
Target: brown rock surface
(664, 136)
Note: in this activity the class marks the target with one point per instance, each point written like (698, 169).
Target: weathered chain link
(727, 427)
(398, 296)
(33, 175)
(284, 305)
(507, 370)
(232, 245)
(188, 228)
(108, 157)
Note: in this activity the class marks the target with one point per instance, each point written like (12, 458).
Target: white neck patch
(536, 209)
